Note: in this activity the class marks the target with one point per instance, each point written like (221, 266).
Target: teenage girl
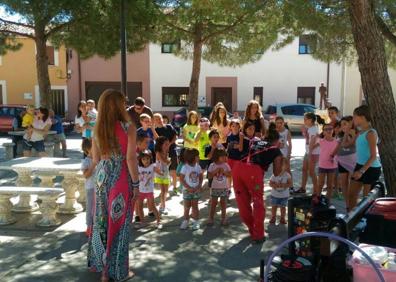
(368, 167)
(190, 130)
(253, 114)
(312, 150)
(221, 123)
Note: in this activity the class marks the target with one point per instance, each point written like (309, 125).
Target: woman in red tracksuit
(248, 179)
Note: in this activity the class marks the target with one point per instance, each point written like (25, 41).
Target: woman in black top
(249, 187)
(253, 114)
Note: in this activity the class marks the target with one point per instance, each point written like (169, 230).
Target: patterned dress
(109, 242)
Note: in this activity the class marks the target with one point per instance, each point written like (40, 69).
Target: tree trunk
(376, 85)
(196, 70)
(42, 69)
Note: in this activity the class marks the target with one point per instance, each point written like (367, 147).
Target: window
(305, 44)
(51, 55)
(306, 95)
(258, 95)
(58, 97)
(174, 96)
(271, 110)
(168, 48)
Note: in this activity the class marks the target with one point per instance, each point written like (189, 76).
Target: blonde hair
(249, 107)
(111, 109)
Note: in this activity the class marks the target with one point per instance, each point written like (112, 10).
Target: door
(58, 99)
(93, 90)
(224, 95)
(306, 95)
(258, 95)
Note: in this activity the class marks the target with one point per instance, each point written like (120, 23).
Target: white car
(292, 113)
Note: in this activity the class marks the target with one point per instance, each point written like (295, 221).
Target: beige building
(352, 94)
(18, 76)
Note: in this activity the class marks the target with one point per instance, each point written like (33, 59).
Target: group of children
(212, 147)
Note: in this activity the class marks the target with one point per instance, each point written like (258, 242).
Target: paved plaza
(28, 253)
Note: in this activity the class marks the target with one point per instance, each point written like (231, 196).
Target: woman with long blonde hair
(254, 115)
(117, 185)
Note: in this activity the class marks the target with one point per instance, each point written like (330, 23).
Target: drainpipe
(79, 76)
(328, 79)
(343, 86)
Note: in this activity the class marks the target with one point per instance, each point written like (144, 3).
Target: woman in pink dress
(117, 183)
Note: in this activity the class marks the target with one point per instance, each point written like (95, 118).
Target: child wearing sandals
(220, 174)
(191, 178)
(280, 192)
(146, 187)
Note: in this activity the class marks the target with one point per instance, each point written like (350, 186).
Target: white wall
(278, 72)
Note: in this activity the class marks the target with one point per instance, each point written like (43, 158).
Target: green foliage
(232, 32)
(90, 26)
(8, 43)
(329, 24)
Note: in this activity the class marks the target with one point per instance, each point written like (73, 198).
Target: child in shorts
(220, 174)
(280, 192)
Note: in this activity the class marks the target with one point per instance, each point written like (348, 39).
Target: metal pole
(124, 88)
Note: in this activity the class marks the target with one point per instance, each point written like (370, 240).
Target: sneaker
(163, 211)
(291, 190)
(151, 214)
(137, 218)
(196, 225)
(300, 191)
(159, 225)
(184, 225)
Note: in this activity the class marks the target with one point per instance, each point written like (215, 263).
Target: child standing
(220, 174)
(146, 186)
(285, 142)
(203, 140)
(88, 169)
(27, 120)
(190, 130)
(312, 151)
(162, 174)
(346, 156)
(214, 138)
(191, 178)
(327, 164)
(280, 192)
(368, 168)
(148, 130)
(233, 143)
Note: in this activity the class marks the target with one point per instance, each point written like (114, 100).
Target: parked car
(292, 113)
(180, 116)
(11, 117)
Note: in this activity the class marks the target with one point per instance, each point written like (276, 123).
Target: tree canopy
(328, 23)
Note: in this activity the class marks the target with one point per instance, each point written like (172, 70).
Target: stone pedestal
(82, 198)
(25, 203)
(69, 184)
(9, 150)
(5, 209)
(48, 209)
(47, 178)
(49, 149)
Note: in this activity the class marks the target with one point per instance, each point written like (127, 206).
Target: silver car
(292, 113)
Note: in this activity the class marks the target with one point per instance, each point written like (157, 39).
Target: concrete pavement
(209, 254)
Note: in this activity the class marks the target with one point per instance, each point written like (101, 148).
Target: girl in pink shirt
(327, 164)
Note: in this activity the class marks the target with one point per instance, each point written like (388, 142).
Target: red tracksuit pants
(249, 187)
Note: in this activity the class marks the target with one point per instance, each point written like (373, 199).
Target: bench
(47, 206)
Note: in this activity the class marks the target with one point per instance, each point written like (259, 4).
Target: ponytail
(273, 134)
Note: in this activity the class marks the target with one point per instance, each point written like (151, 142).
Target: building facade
(18, 76)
